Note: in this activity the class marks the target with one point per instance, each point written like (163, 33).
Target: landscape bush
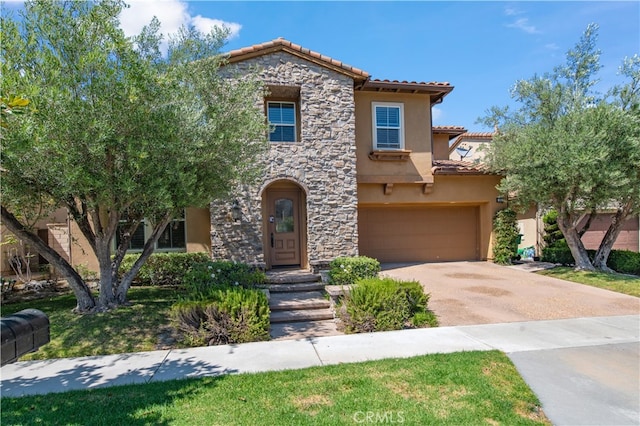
(561, 255)
(229, 315)
(163, 268)
(622, 261)
(505, 227)
(348, 270)
(204, 277)
(382, 304)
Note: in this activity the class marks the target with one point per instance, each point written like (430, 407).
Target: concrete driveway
(467, 293)
(591, 383)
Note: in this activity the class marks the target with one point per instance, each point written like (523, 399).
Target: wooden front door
(283, 210)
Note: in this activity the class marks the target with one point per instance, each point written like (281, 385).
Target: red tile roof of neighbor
(454, 167)
(452, 131)
(488, 136)
(361, 77)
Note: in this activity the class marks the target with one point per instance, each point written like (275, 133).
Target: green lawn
(134, 328)
(465, 388)
(627, 284)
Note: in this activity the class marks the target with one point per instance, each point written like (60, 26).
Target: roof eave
(306, 54)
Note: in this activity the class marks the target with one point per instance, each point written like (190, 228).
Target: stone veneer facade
(322, 163)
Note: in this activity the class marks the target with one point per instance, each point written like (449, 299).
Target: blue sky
(481, 48)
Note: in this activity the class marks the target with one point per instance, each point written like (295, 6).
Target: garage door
(627, 240)
(418, 234)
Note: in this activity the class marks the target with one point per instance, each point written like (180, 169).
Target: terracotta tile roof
(433, 87)
(488, 136)
(454, 167)
(297, 50)
(452, 131)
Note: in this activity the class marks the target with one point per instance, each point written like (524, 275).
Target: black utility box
(21, 333)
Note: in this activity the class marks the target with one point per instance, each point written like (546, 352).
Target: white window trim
(375, 127)
(295, 120)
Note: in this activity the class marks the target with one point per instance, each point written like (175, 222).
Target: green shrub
(381, 304)
(553, 236)
(505, 227)
(163, 268)
(230, 315)
(561, 255)
(624, 261)
(348, 270)
(205, 277)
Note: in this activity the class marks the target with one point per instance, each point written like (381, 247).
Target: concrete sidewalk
(585, 370)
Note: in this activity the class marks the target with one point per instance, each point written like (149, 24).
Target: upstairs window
(388, 132)
(282, 120)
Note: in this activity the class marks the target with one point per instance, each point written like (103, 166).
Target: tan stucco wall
(417, 137)
(447, 191)
(441, 147)
(198, 238)
(198, 223)
(475, 154)
(528, 225)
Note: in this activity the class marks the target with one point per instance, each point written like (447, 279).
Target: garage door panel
(410, 234)
(627, 240)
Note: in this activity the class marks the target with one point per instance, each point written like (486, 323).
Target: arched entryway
(285, 223)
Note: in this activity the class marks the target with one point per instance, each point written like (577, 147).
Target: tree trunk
(571, 235)
(85, 301)
(107, 298)
(149, 245)
(610, 237)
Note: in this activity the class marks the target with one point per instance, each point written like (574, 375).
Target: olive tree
(119, 134)
(568, 149)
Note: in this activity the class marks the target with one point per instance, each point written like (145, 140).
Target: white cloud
(551, 46)
(172, 14)
(205, 25)
(509, 11)
(523, 24)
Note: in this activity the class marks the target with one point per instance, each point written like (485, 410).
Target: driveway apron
(589, 384)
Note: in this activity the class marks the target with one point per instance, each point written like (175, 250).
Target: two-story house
(354, 167)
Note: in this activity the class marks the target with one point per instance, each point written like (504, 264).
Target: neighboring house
(187, 233)
(468, 146)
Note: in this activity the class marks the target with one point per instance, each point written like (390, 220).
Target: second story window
(282, 120)
(388, 132)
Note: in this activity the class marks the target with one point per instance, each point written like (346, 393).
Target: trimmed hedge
(348, 270)
(622, 261)
(381, 304)
(229, 315)
(163, 268)
(202, 278)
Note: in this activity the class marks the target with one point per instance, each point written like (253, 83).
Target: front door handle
(272, 241)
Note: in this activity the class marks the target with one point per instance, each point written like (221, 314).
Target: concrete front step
(301, 315)
(294, 276)
(289, 288)
(298, 301)
(303, 330)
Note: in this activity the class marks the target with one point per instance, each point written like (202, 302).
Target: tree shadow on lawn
(115, 395)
